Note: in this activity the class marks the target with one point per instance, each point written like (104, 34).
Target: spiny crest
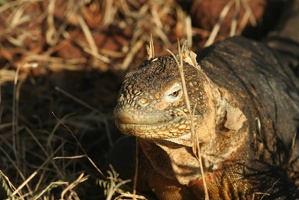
(155, 68)
(159, 73)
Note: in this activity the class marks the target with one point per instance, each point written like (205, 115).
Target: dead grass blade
(234, 23)
(136, 168)
(48, 188)
(290, 159)
(15, 116)
(46, 152)
(12, 161)
(114, 184)
(24, 184)
(6, 184)
(248, 16)
(185, 54)
(216, 27)
(130, 55)
(188, 27)
(11, 76)
(50, 34)
(70, 187)
(88, 35)
(103, 117)
(79, 144)
(150, 49)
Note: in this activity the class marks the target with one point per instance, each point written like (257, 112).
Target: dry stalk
(51, 30)
(10, 76)
(58, 170)
(16, 17)
(88, 36)
(110, 11)
(44, 170)
(11, 187)
(18, 192)
(114, 184)
(10, 5)
(136, 168)
(71, 186)
(79, 144)
(188, 27)
(6, 184)
(95, 54)
(150, 49)
(248, 16)
(234, 22)
(48, 188)
(265, 193)
(25, 183)
(234, 29)
(148, 18)
(290, 160)
(15, 116)
(216, 27)
(102, 116)
(130, 196)
(42, 167)
(106, 53)
(159, 26)
(185, 54)
(129, 57)
(12, 161)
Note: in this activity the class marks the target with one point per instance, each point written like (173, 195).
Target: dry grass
(56, 125)
(234, 30)
(185, 55)
(50, 42)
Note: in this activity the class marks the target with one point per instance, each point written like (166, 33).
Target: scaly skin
(245, 109)
(150, 104)
(244, 104)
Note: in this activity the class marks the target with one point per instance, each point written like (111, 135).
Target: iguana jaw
(169, 130)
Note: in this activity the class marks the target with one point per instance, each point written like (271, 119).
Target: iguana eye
(173, 93)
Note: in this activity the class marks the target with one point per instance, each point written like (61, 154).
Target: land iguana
(244, 104)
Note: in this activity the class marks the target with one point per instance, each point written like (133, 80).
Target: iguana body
(245, 107)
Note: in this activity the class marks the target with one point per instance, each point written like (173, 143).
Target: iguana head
(151, 102)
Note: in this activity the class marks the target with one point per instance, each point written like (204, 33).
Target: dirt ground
(62, 64)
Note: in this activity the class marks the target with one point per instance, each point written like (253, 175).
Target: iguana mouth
(169, 129)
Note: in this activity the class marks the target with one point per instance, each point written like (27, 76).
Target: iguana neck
(221, 133)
